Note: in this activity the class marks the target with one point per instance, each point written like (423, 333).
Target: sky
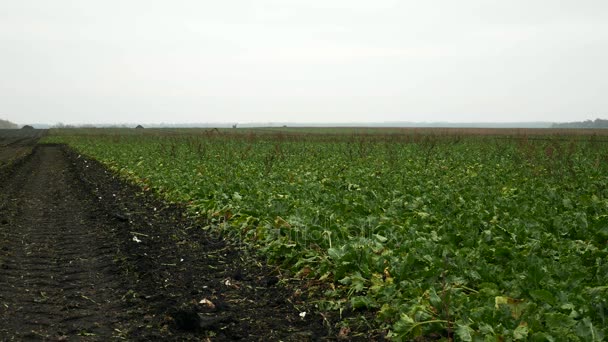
(185, 61)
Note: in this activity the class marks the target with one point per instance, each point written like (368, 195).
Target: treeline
(7, 124)
(597, 123)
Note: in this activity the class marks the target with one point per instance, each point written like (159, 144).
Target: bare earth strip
(57, 273)
(15, 143)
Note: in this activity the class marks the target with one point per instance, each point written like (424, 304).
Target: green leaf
(588, 331)
(543, 296)
(434, 298)
(380, 238)
(486, 329)
(405, 327)
(521, 332)
(356, 282)
(464, 333)
(335, 253)
(559, 321)
(541, 337)
(359, 302)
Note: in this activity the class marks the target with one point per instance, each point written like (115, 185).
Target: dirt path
(57, 272)
(17, 143)
(85, 257)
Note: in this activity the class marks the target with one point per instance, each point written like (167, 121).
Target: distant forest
(597, 123)
(7, 124)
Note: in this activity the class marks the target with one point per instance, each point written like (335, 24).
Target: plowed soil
(15, 144)
(84, 256)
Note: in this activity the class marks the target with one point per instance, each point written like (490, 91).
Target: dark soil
(84, 256)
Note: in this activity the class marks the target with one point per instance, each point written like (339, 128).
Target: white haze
(303, 61)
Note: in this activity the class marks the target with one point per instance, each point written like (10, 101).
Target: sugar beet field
(406, 234)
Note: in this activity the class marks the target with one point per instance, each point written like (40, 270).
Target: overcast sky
(153, 61)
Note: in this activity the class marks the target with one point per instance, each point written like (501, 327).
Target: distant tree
(139, 127)
(597, 123)
(62, 125)
(234, 126)
(4, 124)
(26, 127)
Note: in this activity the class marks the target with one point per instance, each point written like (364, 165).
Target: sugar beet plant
(468, 238)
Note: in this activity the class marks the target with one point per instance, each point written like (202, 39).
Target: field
(86, 257)
(472, 235)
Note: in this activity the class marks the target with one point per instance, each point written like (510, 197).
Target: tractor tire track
(57, 277)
